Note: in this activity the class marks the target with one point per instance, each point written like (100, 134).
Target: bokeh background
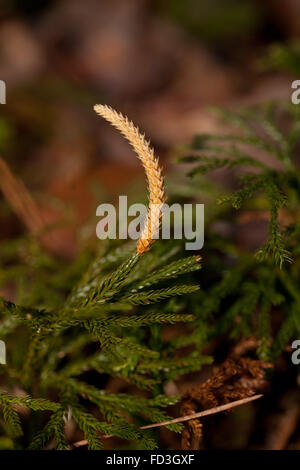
(162, 62)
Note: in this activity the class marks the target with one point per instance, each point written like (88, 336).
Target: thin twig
(20, 199)
(181, 419)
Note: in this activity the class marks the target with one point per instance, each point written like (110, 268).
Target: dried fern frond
(153, 172)
(237, 378)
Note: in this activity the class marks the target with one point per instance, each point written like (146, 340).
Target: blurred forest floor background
(160, 62)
